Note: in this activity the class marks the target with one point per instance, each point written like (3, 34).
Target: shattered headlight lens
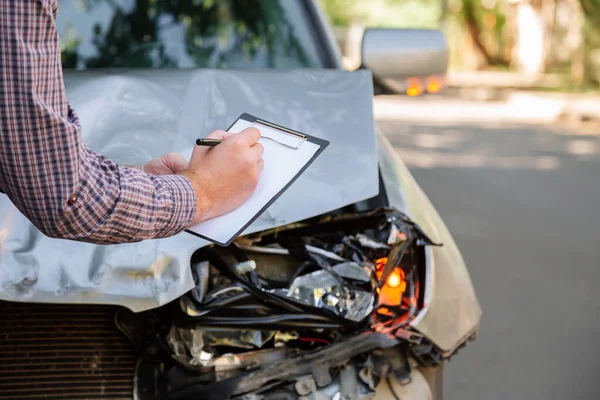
(323, 290)
(336, 273)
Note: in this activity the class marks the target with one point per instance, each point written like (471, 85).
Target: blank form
(282, 163)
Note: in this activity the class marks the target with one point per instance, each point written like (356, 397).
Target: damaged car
(348, 287)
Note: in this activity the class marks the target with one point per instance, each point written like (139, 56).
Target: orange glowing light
(394, 280)
(395, 285)
(414, 88)
(434, 85)
(413, 91)
(380, 262)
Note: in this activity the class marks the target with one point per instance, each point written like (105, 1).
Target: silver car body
(136, 116)
(131, 117)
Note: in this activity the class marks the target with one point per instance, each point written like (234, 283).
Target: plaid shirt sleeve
(63, 187)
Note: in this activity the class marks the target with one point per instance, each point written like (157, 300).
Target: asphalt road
(523, 202)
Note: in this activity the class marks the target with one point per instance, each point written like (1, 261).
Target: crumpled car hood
(133, 116)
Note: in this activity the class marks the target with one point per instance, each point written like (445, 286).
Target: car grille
(63, 352)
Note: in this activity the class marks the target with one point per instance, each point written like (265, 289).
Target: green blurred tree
(591, 42)
(339, 12)
(472, 13)
(388, 13)
(212, 30)
(585, 58)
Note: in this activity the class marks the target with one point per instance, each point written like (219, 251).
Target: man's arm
(63, 187)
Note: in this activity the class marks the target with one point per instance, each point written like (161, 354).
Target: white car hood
(133, 116)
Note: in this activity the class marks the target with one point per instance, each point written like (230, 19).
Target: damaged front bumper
(315, 310)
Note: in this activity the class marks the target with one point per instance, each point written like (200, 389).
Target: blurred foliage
(339, 12)
(591, 10)
(481, 18)
(384, 13)
(591, 40)
(216, 32)
(486, 24)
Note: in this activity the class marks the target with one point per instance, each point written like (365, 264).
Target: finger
(220, 134)
(255, 153)
(259, 149)
(248, 136)
(175, 162)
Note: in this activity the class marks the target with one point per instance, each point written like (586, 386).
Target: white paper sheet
(281, 165)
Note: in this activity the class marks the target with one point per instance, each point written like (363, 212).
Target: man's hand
(226, 175)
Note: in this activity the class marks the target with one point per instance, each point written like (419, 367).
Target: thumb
(175, 162)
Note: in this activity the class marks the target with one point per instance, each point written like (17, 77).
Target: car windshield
(242, 34)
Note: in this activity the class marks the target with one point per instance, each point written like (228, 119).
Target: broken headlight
(308, 291)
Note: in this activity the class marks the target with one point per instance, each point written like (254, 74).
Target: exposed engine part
(339, 288)
(286, 252)
(305, 385)
(245, 339)
(352, 270)
(321, 289)
(196, 346)
(282, 337)
(186, 345)
(349, 382)
(322, 375)
(366, 241)
(245, 267)
(333, 355)
(410, 336)
(393, 235)
(344, 387)
(382, 363)
(250, 359)
(304, 311)
(268, 372)
(200, 272)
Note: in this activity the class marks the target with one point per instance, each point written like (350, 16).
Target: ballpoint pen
(210, 142)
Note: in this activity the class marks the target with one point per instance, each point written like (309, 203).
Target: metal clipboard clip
(286, 137)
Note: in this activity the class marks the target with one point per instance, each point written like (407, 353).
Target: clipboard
(297, 149)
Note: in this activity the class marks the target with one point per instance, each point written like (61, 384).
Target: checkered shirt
(64, 188)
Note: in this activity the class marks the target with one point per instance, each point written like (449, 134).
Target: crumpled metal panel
(452, 312)
(133, 116)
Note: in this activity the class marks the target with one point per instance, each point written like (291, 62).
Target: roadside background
(556, 43)
(509, 154)
(549, 48)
